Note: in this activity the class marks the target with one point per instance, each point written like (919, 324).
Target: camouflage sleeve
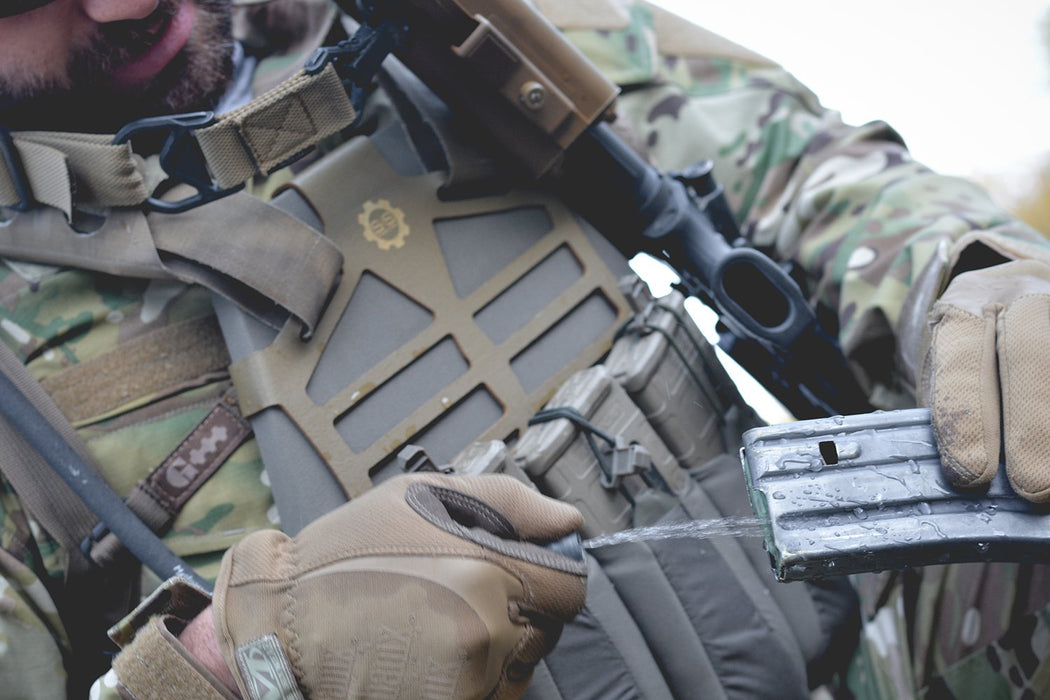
(874, 231)
(159, 436)
(32, 638)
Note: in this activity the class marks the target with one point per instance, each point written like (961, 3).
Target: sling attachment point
(180, 157)
(619, 459)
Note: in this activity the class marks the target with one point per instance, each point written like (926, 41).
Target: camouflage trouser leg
(959, 631)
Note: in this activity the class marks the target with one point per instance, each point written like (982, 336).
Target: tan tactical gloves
(988, 365)
(427, 586)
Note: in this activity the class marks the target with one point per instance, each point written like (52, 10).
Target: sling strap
(269, 263)
(70, 170)
(42, 492)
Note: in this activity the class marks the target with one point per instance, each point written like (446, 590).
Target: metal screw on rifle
(533, 95)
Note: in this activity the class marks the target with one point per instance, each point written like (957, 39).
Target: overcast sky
(967, 82)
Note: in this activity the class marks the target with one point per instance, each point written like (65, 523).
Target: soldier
(882, 241)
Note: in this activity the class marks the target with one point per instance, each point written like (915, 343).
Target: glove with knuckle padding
(427, 586)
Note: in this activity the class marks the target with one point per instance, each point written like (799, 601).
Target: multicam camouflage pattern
(54, 319)
(866, 222)
(848, 203)
(32, 638)
(975, 631)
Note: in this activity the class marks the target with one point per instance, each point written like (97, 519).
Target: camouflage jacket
(877, 235)
(875, 232)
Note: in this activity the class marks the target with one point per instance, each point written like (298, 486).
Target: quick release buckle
(181, 158)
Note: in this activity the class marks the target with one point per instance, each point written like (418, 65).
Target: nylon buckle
(357, 60)
(87, 544)
(627, 459)
(17, 172)
(180, 157)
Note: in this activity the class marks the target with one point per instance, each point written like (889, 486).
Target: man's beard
(88, 102)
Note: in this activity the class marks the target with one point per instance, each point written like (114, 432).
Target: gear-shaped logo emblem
(383, 224)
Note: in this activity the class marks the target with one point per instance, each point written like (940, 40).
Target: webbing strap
(268, 262)
(252, 253)
(43, 493)
(141, 366)
(66, 170)
(275, 127)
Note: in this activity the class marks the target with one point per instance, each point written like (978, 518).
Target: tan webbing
(271, 129)
(156, 666)
(142, 366)
(123, 246)
(43, 492)
(268, 262)
(66, 170)
(252, 253)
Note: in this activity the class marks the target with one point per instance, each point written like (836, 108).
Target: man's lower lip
(148, 65)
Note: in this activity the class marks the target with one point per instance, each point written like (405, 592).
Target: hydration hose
(96, 494)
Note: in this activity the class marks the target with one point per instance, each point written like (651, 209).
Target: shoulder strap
(265, 261)
(268, 262)
(43, 493)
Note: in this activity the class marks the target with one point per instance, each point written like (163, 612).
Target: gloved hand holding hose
(426, 586)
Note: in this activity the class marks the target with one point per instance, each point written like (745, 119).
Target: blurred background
(965, 82)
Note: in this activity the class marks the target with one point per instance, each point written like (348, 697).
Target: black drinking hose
(91, 488)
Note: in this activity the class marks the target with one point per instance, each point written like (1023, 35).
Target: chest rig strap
(240, 248)
(269, 263)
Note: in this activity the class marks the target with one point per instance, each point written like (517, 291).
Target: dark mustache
(118, 41)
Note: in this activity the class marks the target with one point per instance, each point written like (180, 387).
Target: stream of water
(692, 529)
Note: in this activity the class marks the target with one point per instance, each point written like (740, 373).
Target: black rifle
(766, 323)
